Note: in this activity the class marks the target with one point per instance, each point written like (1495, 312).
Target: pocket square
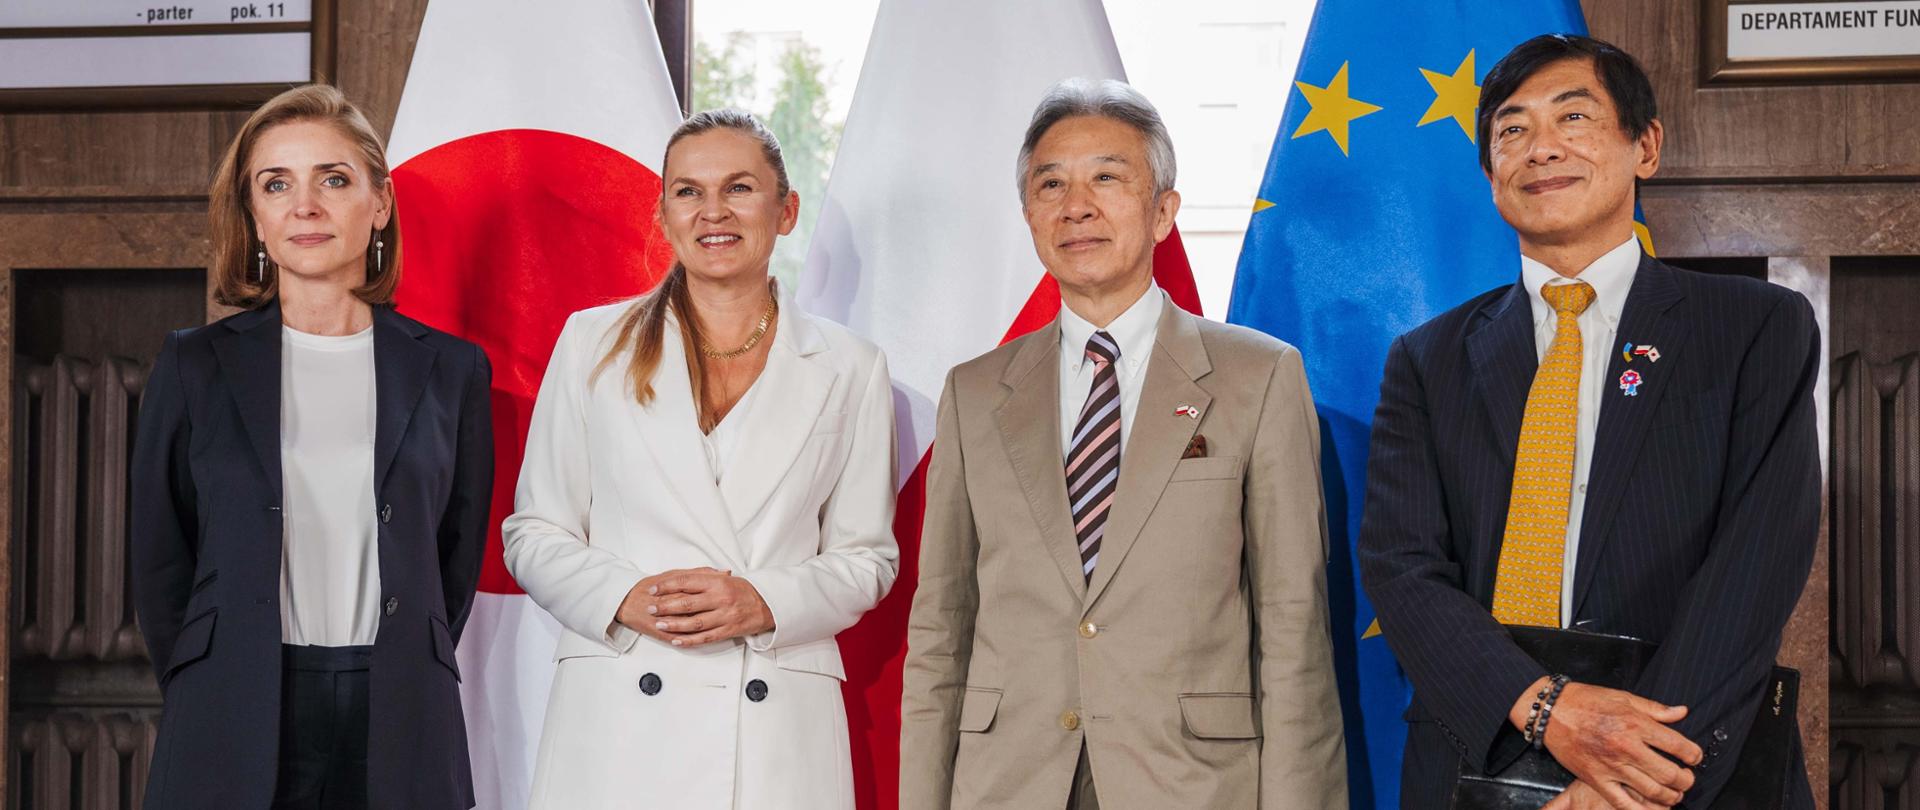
(1196, 448)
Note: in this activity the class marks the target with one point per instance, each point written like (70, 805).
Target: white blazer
(611, 492)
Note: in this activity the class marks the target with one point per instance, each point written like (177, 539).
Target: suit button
(393, 605)
(1089, 630)
(756, 690)
(386, 513)
(1069, 720)
(650, 684)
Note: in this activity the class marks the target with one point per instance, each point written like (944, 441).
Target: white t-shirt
(330, 555)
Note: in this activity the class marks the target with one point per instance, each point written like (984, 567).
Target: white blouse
(724, 440)
(330, 560)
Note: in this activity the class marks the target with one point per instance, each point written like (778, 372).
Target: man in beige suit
(1122, 596)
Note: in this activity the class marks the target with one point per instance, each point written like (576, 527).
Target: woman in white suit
(706, 500)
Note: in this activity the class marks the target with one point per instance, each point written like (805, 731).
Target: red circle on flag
(506, 233)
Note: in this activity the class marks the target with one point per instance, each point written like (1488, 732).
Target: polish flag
(526, 156)
(921, 247)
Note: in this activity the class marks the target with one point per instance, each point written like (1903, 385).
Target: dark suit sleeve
(1723, 639)
(463, 527)
(1464, 667)
(164, 517)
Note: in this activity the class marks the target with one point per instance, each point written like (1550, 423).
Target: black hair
(1626, 82)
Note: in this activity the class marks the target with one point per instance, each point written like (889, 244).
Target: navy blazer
(1702, 512)
(207, 535)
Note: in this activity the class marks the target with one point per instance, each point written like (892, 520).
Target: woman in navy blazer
(310, 491)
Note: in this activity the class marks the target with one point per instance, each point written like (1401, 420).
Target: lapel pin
(1630, 383)
(1630, 351)
(1187, 411)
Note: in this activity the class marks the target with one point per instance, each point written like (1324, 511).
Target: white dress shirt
(1134, 332)
(330, 554)
(1611, 276)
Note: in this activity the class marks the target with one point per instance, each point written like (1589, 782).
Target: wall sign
(135, 53)
(1809, 41)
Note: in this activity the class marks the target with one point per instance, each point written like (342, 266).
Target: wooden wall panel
(1875, 509)
(176, 149)
(1813, 171)
(1784, 219)
(380, 34)
(107, 149)
(1758, 132)
(118, 191)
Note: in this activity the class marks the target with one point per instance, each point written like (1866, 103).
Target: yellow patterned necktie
(1526, 589)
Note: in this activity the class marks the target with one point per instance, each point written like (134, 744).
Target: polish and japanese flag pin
(1187, 411)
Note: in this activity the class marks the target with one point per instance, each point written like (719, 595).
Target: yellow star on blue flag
(1333, 109)
(1455, 96)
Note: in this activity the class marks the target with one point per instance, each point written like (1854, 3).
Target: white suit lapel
(669, 429)
(794, 388)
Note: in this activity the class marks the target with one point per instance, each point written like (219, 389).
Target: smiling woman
(705, 523)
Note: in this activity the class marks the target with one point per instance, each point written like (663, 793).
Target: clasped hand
(1618, 744)
(689, 607)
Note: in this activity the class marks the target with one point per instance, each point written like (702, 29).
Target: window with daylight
(1220, 73)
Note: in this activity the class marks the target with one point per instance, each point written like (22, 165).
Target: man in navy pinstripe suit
(1691, 509)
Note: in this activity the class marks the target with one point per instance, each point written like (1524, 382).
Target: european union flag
(1374, 216)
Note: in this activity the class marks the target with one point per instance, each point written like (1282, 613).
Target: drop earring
(260, 266)
(379, 254)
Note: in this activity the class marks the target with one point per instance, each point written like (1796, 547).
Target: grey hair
(1105, 98)
(740, 121)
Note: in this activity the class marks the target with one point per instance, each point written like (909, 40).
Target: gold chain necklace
(766, 320)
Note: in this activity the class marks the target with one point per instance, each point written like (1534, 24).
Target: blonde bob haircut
(238, 280)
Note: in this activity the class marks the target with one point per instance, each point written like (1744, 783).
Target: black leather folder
(1759, 780)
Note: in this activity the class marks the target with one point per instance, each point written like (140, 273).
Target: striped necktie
(1526, 586)
(1093, 462)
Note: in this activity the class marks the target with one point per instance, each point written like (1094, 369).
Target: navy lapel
(249, 357)
(401, 364)
(1646, 320)
(1504, 360)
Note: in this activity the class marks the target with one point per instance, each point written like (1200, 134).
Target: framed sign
(1765, 41)
(57, 54)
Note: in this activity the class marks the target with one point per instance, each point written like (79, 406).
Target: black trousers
(1081, 795)
(323, 728)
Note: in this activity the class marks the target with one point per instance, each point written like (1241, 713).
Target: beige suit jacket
(1196, 665)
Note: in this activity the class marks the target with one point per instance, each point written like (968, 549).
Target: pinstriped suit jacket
(1702, 508)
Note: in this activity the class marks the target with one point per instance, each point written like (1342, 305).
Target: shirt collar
(1134, 330)
(1611, 276)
